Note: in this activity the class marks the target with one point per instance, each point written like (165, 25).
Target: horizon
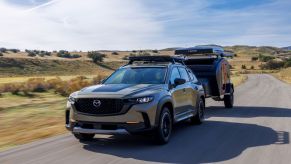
(139, 25)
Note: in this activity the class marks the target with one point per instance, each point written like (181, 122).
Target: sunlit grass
(24, 119)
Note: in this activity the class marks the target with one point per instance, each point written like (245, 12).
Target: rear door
(194, 92)
(179, 96)
(188, 91)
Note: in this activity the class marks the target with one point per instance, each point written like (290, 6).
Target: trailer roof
(203, 50)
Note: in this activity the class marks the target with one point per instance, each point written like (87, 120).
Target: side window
(192, 76)
(174, 74)
(184, 74)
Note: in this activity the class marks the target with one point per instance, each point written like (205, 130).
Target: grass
(20, 67)
(30, 119)
(284, 75)
(4, 80)
(238, 79)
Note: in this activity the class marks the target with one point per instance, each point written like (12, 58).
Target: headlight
(71, 99)
(144, 99)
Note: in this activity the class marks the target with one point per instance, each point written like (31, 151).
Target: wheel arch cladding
(164, 102)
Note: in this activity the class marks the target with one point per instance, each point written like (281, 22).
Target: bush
(255, 58)
(3, 50)
(155, 51)
(14, 50)
(75, 56)
(287, 63)
(114, 53)
(96, 56)
(31, 54)
(252, 67)
(265, 58)
(1, 54)
(36, 85)
(272, 64)
(243, 66)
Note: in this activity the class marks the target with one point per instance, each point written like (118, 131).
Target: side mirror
(101, 81)
(179, 81)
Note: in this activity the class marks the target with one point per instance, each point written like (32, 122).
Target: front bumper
(137, 119)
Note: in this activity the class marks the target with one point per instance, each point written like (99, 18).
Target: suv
(149, 94)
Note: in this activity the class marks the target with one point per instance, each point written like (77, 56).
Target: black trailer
(212, 69)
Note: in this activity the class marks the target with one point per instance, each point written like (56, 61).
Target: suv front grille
(106, 107)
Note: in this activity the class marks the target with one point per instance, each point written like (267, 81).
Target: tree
(243, 66)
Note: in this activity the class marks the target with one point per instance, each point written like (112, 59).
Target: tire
(164, 129)
(229, 99)
(84, 136)
(199, 117)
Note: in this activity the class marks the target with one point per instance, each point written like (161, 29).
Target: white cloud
(137, 24)
(75, 24)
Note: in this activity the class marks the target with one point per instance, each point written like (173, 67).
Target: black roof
(156, 59)
(203, 50)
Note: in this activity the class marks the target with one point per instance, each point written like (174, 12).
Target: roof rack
(204, 50)
(152, 59)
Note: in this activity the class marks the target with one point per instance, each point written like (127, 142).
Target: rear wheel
(228, 99)
(164, 130)
(84, 136)
(199, 117)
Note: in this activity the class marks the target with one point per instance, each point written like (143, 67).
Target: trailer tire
(228, 99)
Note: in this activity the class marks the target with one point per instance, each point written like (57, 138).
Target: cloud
(137, 24)
(75, 24)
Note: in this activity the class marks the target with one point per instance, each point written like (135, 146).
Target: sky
(142, 24)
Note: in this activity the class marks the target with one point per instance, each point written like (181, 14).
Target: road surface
(257, 130)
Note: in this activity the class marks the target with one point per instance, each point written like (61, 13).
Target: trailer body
(211, 68)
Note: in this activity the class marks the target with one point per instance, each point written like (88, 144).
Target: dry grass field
(284, 75)
(30, 119)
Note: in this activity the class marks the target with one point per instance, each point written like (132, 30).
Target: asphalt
(257, 130)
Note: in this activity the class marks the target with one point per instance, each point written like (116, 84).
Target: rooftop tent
(203, 50)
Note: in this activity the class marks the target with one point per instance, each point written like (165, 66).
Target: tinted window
(175, 74)
(192, 76)
(142, 75)
(184, 74)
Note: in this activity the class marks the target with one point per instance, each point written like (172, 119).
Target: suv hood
(120, 90)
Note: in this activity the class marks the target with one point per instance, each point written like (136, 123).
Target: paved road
(257, 131)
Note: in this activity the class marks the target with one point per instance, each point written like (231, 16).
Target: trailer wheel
(228, 99)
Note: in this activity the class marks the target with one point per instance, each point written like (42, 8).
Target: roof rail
(204, 50)
(150, 59)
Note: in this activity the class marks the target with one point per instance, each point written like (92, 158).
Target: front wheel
(84, 136)
(228, 100)
(164, 129)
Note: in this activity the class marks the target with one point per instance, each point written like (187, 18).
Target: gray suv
(148, 95)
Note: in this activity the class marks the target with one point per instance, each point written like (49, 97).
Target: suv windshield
(138, 75)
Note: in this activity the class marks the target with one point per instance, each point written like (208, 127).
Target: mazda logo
(96, 103)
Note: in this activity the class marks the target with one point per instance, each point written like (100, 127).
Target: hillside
(41, 67)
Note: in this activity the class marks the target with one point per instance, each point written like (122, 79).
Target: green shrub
(31, 54)
(14, 50)
(96, 56)
(243, 66)
(252, 67)
(272, 64)
(264, 58)
(255, 58)
(3, 50)
(155, 51)
(114, 53)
